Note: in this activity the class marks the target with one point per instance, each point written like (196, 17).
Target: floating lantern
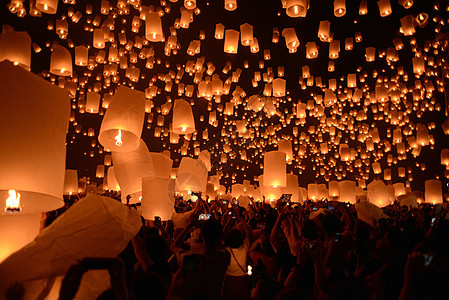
(183, 121)
(47, 6)
(246, 31)
(384, 8)
(279, 87)
(231, 42)
(333, 188)
(313, 192)
(286, 147)
(153, 27)
(347, 191)
(230, 5)
(130, 167)
(339, 8)
(433, 191)
(61, 61)
(70, 182)
(192, 175)
(378, 194)
(28, 100)
(158, 198)
(324, 30)
(16, 47)
(162, 164)
(122, 123)
(275, 169)
(113, 184)
(219, 31)
(296, 8)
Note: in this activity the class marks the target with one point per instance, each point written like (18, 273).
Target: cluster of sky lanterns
(245, 125)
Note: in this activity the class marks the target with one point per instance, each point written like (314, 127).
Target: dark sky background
(264, 16)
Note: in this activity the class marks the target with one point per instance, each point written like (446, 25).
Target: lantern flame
(13, 201)
(45, 6)
(118, 138)
(250, 270)
(184, 129)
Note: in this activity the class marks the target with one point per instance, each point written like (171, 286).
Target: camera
(337, 236)
(204, 217)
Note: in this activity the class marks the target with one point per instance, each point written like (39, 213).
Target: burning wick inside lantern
(118, 138)
(13, 202)
(183, 129)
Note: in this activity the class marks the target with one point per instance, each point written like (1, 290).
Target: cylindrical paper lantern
(378, 194)
(230, 5)
(158, 198)
(347, 192)
(231, 42)
(16, 47)
(183, 121)
(192, 175)
(153, 27)
(130, 168)
(71, 182)
(162, 164)
(333, 188)
(123, 121)
(313, 192)
(47, 6)
(275, 169)
(339, 8)
(34, 118)
(113, 184)
(286, 147)
(296, 8)
(279, 87)
(292, 187)
(61, 61)
(433, 191)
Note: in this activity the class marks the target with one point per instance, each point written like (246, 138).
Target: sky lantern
(61, 61)
(28, 100)
(219, 31)
(324, 30)
(378, 194)
(190, 4)
(408, 25)
(286, 147)
(113, 184)
(291, 39)
(130, 167)
(153, 27)
(275, 169)
(122, 123)
(81, 55)
(339, 8)
(15, 46)
(333, 188)
(231, 42)
(363, 8)
(433, 191)
(313, 192)
(347, 191)
(384, 8)
(158, 198)
(47, 6)
(192, 175)
(230, 5)
(311, 53)
(247, 34)
(279, 87)
(183, 121)
(296, 8)
(70, 182)
(162, 164)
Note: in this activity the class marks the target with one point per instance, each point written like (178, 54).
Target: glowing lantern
(296, 8)
(28, 100)
(324, 30)
(333, 188)
(313, 192)
(190, 4)
(279, 87)
(247, 34)
(219, 31)
(61, 61)
(339, 8)
(237, 190)
(399, 189)
(286, 147)
(192, 175)
(445, 157)
(275, 169)
(230, 5)
(291, 39)
(81, 55)
(292, 187)
(370, 54)
(347, 191)
(16, 47)
(100, 171)
(384, 7)
(93, 102)
(377, 168)
(130, 167)
(418, 65)
(162, 164)
(158, 198)
(183, 121)
(113, 184)
(47, 6)
(70, 182)
(231, 42)
(153, 27)
(433, 192)
(122, 123)
(378, 194)
(408, 25)
(363, 8)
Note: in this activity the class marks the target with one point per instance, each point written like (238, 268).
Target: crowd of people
(216, 249)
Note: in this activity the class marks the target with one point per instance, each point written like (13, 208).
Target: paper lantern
(378, 194)
(190, 4)
(230, 5)
(158, 198)
(399, 189)
(296, 8)
(292, 188)
(130, 167)
(286, 147)
(384, 7)
(162, 164)
(183, 121)
(16, 47)
(376, 168)
(93, 102)
(231, 42)
(333, 188)
(418, 65)
(313, 192)
(47, 6)
(275, 169)
(433, 191)
(279, 87)
(408, 25)
(237, 190)
(122, 123)
(339, 8)
(192, 175)
(113, 184)
(246, 31)
(100, 171)
(369, 213)
(219, 31)
(28, 100)
(291, 39)
(445, 157)
(324, 30)
(346, 191)
(70, 182)
(61, 61)
(153, 27)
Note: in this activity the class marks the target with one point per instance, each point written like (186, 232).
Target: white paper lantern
(183, 121)
(130, 168)
(275, 169)
(192, 175)
(122, 123)
(71, 182)
(16, 47)
(47, 6)
(433, 191)
(158, 198)
(162, 164)
(292, 187)
(61, 61)
(378, 194)
(112, 180)
(346, 191)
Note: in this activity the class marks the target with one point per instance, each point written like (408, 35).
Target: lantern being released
(28, 100)
(183, 122)
(123, 122)
(16, 47)
(433, 191)
(275, 169)
(192, 175)
(158, 198)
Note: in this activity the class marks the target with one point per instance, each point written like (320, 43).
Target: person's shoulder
(224, 254)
